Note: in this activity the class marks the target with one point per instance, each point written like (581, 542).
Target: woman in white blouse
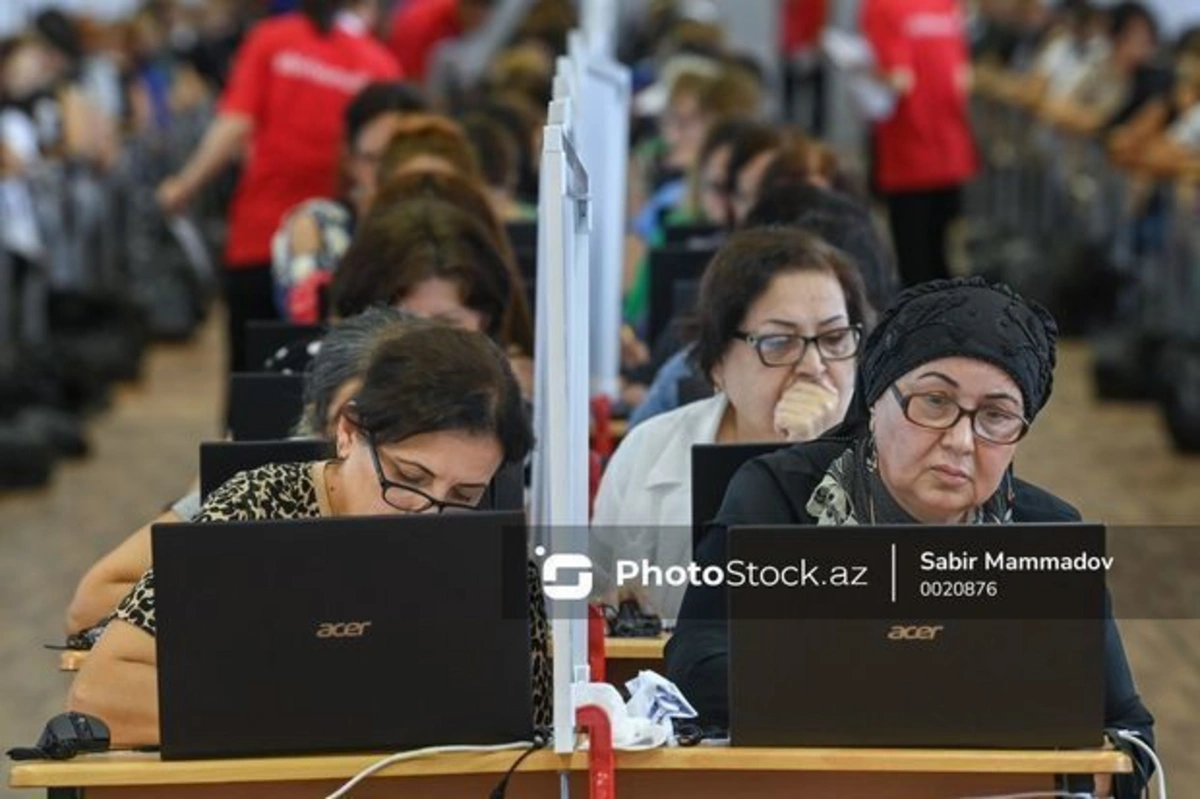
(777, 327)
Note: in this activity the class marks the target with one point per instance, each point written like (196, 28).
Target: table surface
(134, 768)
(635, 648)
(619, 648)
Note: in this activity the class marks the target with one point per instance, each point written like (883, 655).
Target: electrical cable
(539, 742)
(415, 754)
(1160, 773)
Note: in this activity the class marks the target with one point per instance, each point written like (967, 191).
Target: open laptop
(353, 634)
(675, 274)
(264, 405)
(713, 467)
(221, 460)
(846, 666)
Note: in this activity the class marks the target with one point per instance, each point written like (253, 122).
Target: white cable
(1159, 771)
(419, 753)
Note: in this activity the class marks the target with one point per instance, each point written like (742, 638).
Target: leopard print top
(288, 491)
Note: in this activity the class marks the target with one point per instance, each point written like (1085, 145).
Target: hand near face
(805, 411)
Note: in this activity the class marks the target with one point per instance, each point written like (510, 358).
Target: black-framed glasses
(789, 349)
(400, 496)
(936, 410)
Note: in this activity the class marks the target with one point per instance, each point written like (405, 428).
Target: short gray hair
(344, 355)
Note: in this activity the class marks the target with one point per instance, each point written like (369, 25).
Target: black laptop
(713, 466)
(264, 405)
(675, 274)
(355, 634)
(265, 337)
(221, 460)
(846, 665)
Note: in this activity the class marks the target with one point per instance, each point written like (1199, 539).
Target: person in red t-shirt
(421, 26)
(924, 152)
(283, 107)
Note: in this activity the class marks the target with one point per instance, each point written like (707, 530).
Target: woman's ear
(344, 437)
(717, 376)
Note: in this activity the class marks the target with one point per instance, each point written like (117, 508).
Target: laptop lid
(264, 405)
(949, 663)
(221, 460)
(713, 466)
(672, 268)
(265, 337)
(347, 634)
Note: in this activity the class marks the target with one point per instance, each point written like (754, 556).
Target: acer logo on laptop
(915, 632)
(342, 629)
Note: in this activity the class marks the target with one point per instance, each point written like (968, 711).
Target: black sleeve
(1123, 708)
(697, 655)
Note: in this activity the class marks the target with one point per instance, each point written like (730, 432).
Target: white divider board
(603, 136)
(560, 463)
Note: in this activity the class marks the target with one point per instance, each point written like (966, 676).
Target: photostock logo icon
(578, 580)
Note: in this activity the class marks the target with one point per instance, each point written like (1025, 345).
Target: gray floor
(1111, 460)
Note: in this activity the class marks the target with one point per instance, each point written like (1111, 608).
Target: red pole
(602, 776)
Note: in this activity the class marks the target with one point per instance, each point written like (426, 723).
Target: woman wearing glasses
(437, 415)
(778, 324)
(949, 382)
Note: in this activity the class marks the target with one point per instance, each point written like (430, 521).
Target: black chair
(265, 337)
(674, 285)
(221, 460)
(264, 406)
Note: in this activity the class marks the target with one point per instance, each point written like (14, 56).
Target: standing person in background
(290, 85)
(421, 26)
(924, 151)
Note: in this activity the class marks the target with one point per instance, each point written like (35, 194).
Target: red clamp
(597, 656)
(602, 771)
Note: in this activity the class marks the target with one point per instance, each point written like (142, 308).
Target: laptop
(221, 460)
(264, 405)
(840, 666)
(265, 337)
(713, 467)
(350, 634)
(674, 286)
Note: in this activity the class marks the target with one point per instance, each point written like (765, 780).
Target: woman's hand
(173, 196)
(805, 411)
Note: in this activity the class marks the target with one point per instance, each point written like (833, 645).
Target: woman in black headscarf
(949, 381)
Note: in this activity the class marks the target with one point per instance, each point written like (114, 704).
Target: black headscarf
(966, 317)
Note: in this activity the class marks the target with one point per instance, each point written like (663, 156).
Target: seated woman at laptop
(949, 382)
(333, 376)
(438, 413)
(778, 323)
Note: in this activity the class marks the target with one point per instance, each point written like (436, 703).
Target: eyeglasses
(937, 411)
(789, 349)
(399, 495)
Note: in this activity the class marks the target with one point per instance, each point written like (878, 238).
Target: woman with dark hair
(435, 260)
(778, 323)
(292, 80)
(439, 412)
(333, 375)
(949, 382)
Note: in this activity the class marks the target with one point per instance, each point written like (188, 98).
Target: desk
(696, 773)
(625, 657)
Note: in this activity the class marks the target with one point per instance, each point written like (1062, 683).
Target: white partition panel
(603, 136)
(561, 458)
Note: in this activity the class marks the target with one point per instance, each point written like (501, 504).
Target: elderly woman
(948, 384)
(438, 413)
(779, 319)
